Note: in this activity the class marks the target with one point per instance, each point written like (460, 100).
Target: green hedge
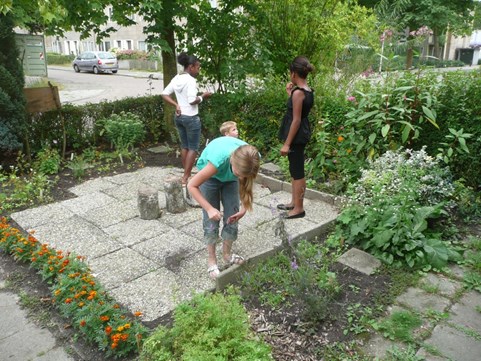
(80, 122)
(59, 59)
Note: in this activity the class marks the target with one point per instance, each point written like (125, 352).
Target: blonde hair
(246, 160)
(227, 126)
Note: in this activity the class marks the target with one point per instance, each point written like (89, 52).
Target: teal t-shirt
(218, 153)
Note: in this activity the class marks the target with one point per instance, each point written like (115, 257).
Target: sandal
(213, 271)
(236, 259)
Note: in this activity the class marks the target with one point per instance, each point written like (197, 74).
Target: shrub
(48, 161)
(12, 99)
(123, 130)
(59, 59)
(391, 210)
(209, 327)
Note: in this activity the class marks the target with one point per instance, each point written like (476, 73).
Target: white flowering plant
(392, 210)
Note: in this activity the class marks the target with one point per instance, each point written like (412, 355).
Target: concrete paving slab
(360, 261)
(467, 312)
(178, 220)
(261, 191)
(34, 217)
(154, 294)
(111, 214)
(117, 268)
(125, 192)
(457, 271)
(78, 236)
(426, 356)
(87, 202)
(170, 247)
(422, 301)
(443, 285)
(94, 185)
(454, 344)
(136, 230)
(22, 340)
(257, 217)
(123, 178)
(379, 346)
(156, 176)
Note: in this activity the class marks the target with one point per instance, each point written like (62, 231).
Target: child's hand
(206, 95)
(235, 217)
(289, 87)
(214, 214)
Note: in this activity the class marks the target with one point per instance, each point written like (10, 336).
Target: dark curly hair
(301, 66)
(185, 59)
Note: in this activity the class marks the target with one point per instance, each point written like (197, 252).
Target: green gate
(31, 50)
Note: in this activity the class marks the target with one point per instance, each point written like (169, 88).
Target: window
(129, 44)
(142, 45)
(110, 13)
(88, 46)
(106, 45)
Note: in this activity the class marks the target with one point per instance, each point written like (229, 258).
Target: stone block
(148, 203)
(174, 195)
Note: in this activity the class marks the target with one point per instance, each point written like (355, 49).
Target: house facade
(125, 38)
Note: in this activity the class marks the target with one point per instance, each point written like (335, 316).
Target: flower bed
(77, 294)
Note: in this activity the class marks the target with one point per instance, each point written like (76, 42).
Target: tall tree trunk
(169, 68)
(447, 47)
(409, 57)
(436, 52)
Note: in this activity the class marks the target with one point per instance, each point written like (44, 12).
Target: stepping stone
(360, 261)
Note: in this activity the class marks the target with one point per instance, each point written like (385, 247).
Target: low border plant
(77, 294)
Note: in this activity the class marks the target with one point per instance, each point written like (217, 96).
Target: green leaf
(462, 143)
(381, 238)
(385, 130)
(372, 138)
(405, 134)
(368, 115)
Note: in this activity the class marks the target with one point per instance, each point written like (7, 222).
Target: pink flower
(351, 98)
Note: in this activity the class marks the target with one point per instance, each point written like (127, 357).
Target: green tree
(318, 29)
(437, 15)
(12, 99)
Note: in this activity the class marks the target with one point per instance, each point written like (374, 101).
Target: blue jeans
(217, 192)
(189, 131)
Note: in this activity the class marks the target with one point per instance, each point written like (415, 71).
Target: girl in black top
(295, 133)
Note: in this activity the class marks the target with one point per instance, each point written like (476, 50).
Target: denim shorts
(189, 127)
(217, 193)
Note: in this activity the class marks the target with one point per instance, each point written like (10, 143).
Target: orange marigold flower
(82, 323)
(57, 292)
(104, 318)
(349, 151)
(81, 304)
(68, 300)
(34, 259)
(116, 306)
(114, 345)
(127, 326)
(340, 138)
(137, 314)
(108, 330)
(120, 328)
(124, 337)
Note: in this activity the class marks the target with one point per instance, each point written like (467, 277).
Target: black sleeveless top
(304, 133)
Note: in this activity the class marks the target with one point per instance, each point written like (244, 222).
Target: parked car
(96, 61)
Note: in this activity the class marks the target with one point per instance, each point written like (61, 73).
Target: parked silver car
(96, 61)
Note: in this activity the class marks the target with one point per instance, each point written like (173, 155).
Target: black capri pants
(296, 161)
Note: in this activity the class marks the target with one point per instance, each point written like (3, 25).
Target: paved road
(82, 88)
